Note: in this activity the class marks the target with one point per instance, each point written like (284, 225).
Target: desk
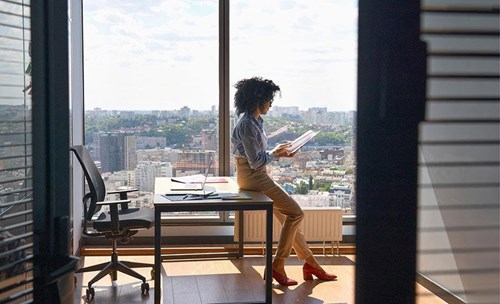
(258, 202)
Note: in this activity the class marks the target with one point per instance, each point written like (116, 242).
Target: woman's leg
(292, 213)
(299, 242)
(286, 210)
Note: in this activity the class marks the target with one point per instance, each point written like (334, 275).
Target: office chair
(117, 224)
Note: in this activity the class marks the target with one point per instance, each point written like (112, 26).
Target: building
(116, 151)
(209, 139)
(148, 142)
(130, 152)
(340, 196)
(192, 162)
(145, 174)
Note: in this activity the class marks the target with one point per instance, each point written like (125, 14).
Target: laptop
(195, 188)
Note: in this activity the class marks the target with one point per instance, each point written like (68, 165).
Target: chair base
(113, 268)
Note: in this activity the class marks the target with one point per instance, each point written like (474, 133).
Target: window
(308, 48)
(152, 90)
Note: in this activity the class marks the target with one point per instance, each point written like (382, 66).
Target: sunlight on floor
(199, 267)
(226, 281)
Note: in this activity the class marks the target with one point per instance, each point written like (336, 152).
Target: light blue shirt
(250, 141)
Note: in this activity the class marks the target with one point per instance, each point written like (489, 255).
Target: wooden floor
(228, 281)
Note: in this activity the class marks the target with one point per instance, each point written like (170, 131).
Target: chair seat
(130, 219)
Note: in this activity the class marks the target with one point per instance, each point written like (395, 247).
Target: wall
(76, 114)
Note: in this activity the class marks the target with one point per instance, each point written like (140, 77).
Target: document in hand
(300, 141)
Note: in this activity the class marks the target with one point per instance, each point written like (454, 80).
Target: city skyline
(276, 107)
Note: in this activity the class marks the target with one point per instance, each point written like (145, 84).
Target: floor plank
(226, 281)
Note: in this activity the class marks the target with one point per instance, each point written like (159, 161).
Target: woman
(253, 98)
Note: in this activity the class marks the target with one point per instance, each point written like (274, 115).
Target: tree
(177, 135)
(302, 188)
(322, 186)
(330, 138)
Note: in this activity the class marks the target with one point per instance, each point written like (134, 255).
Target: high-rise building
(185, 112)
(130, 152)
(209, 139)
(146, 172)
(116, 151)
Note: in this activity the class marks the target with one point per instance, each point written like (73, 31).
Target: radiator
(319, 225)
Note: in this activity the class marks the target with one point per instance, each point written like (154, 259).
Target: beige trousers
(285, 208)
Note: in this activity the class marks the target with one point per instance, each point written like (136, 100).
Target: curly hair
(253, 93)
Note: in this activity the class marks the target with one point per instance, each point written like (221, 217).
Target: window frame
(224, 120)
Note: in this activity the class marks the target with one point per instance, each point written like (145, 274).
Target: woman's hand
(283, 146)
(281, 150)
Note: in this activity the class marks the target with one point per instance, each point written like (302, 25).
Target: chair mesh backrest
(97, 190)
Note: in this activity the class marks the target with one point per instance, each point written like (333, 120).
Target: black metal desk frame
(214, 205)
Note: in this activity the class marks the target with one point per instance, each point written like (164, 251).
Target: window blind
(459, 165)
(16, 231)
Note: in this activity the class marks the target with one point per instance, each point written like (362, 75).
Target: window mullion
(224, 126)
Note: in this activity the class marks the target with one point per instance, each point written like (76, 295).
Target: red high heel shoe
(281, 279)
(308, 271)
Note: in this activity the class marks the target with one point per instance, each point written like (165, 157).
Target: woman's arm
(254, 146)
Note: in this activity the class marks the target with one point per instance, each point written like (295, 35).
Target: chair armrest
(122, 191)
(112, 202)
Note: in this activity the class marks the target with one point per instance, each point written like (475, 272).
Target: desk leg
(157, 257)
(240, 233)
(269, 253)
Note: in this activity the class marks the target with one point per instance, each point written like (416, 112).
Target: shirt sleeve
(253, 145)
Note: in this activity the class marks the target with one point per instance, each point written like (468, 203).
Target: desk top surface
(163, 186)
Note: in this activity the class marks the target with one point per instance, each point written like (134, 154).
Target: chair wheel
(90, 294)
(152, 274)
(145, 288)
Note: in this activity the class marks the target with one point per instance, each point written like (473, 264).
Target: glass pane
(16, 176)
(309, 49)
(151, 90)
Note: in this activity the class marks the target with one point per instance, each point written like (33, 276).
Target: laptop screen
(210, 161)
(199, 184)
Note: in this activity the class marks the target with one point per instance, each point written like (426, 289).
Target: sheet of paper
(234, 196)
(198, 179)
(301, 141)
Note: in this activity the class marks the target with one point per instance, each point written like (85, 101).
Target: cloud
(159, 54)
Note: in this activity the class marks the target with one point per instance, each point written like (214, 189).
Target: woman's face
(265, 107)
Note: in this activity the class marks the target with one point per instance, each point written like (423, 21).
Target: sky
(163, 54)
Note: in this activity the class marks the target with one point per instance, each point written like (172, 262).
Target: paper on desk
(234, 196)
(198, 179)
